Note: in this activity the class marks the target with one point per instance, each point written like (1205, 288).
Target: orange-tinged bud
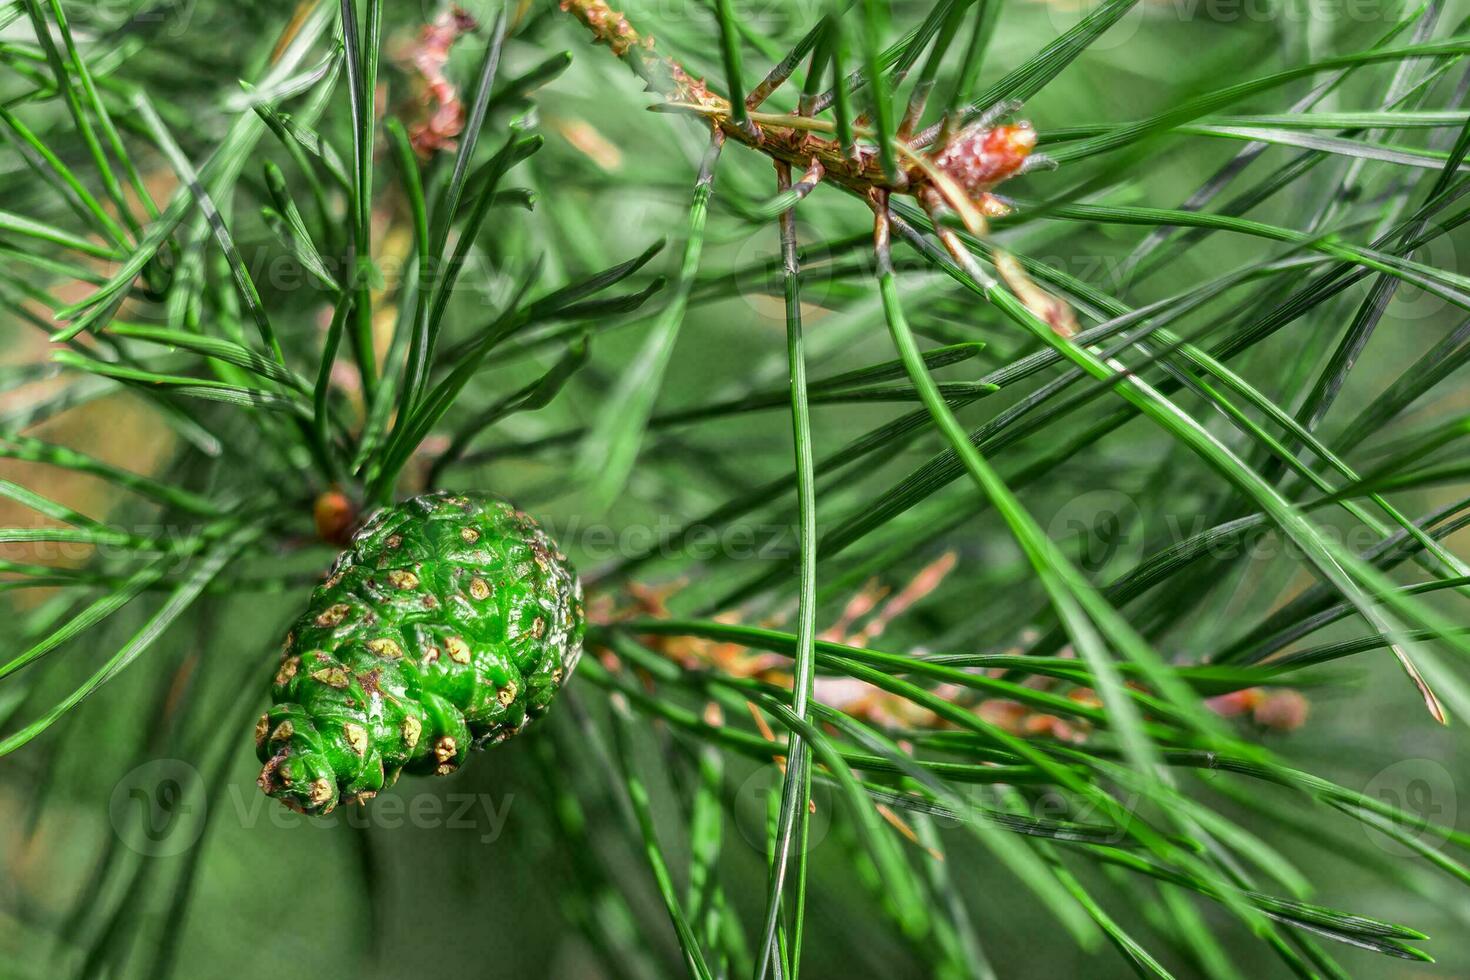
(1282, 711)
(334, 516)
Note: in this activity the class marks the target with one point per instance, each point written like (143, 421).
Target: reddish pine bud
(979, 158)
(429, 57)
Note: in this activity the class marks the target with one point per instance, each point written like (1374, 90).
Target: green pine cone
(450, 622)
